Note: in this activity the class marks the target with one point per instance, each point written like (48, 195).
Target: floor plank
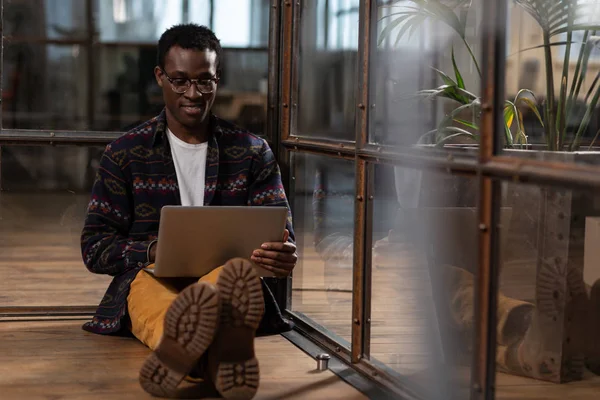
(509, 387)
(58, 360)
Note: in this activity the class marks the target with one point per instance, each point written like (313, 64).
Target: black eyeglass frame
(212, 82)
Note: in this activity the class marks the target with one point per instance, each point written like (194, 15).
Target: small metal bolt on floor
(323, 361)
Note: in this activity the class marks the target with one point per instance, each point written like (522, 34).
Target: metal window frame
(489, 166)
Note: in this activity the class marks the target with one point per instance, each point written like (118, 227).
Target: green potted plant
(556, 19)
(557, 217)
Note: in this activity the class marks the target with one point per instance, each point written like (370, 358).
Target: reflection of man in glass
(185, 156)
(412, 214)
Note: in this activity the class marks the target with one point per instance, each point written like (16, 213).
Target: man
(185, 156)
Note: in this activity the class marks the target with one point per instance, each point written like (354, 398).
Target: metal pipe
(44, 40)
(320, 146)
(483, 373)
(211, 16)
(287, 51)
(272, 132)
(544, 173)
(91, 62)
(502, 167)
(359, 271)
(368, 262)
(47, 311)
(1, 78)
(31, 137)
(364, 52)
(295, 66)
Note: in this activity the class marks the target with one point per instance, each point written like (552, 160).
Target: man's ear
(158, 74)
(286, 235)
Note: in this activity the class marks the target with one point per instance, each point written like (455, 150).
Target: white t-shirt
(190, 166)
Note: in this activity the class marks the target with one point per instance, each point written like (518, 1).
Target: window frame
(489, 167)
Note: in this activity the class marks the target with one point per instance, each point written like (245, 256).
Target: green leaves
(451, 92)
(424, 9)
(553, 15)
(452, 89)
(459, 79)
(520, 98)
(576, 20)
(512, 113)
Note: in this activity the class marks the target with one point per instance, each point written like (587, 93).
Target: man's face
(190, 108)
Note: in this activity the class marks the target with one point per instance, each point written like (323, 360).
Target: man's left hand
(277, 257)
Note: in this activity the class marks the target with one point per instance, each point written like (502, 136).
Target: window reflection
(146, 20)
(328, 57)
(48, 83)
(543, 71)
(414, 58)
(52, 19)
(44, 196)
(52, 86)
(44, 86)
(323, 210)
(549, 269)
(424, 258)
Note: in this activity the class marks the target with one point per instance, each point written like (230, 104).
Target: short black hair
(189, 36)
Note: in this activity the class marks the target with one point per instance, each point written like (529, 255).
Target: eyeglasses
(181, 85)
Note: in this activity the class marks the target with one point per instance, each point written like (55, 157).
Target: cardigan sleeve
(105, 242)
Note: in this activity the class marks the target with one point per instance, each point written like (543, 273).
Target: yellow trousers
(148, 301)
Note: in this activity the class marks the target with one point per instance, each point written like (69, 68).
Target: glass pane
(44, 197)
(409, 103)
(424, 261)
(146, 20)
(44, 86)
(44, 19)
(327, 69)
(549, 298)
(127, 92)
(242, 96)
(250, 23)
(555, 88)
(47, 86)
(323, 208)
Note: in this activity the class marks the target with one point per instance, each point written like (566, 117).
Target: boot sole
(189, 328)
(232, 360)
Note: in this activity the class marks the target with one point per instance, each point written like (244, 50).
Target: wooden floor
(40, 256)
(57, 360)
(40, 264)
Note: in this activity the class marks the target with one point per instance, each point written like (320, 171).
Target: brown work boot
(514, 319)
(189, 328)
(514, 315)
(232, 364)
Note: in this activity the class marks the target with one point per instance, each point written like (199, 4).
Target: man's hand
(277, 257)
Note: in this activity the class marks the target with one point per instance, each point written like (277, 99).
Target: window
(109, 85)
(591, 15)
(337, 24)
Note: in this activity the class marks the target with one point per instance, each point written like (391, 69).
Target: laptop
(192, 241)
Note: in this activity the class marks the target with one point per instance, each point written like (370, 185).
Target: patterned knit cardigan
(136, 178)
